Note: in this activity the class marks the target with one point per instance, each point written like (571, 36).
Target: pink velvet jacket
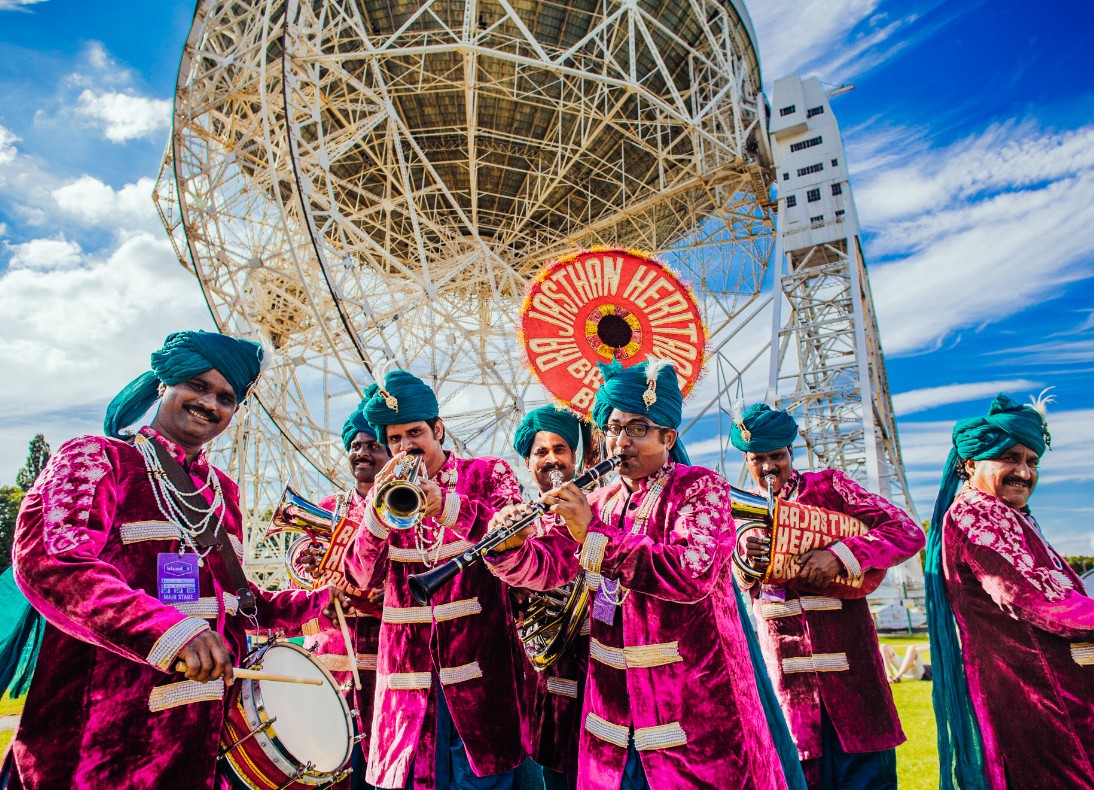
(330, 647)
(671, 674)
(105, 708)
(820, 645)
(1027, 632)
(464, 639)
(555, 695)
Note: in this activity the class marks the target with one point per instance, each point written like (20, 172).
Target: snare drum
(287, 735)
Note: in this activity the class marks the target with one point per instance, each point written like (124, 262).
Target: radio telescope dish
(369, 183)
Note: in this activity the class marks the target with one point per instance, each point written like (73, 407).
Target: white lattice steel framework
(370, 181)
(827, 364)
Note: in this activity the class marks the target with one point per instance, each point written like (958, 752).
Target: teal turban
(183, 356)
(625, 389)
(355, 424)
(546, 418)
(960, 748)
(401, 398)
(767, 429)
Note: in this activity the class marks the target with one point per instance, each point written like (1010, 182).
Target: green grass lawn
(917, 758)
(8, 707)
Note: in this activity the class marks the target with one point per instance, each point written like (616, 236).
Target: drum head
(313, 722)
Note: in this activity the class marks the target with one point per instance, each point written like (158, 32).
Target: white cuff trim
(167, 647)
(847, 557)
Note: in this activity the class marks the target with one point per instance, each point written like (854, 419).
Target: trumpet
(400, 503)
(423, 585)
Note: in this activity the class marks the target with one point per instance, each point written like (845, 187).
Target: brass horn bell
(400, 503)
(294, 513)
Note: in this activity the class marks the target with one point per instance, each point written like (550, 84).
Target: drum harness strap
(212, 536)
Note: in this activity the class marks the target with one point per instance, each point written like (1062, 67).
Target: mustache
(1011, 480)
(202, 412)
(415, 451)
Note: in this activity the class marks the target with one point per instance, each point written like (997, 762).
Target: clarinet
(423, 585)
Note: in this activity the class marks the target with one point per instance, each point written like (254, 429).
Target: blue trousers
(634, 775)
(453, 769)
(840, 770)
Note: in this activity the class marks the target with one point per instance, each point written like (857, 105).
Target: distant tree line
(12, 496)
(1080, 564)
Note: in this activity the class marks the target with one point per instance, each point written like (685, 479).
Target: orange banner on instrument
(606, 304)
(799, 528)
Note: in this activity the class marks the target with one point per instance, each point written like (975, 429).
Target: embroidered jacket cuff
(373, 524)
(450, 510)
(167, 647)
(847, 558)
(592, 556)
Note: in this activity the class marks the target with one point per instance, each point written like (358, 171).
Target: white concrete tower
(836, 384)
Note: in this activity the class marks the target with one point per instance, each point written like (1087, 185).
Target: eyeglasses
(636, 430)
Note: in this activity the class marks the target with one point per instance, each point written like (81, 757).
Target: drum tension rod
(335, 779)
(299, 773)
(224, 752)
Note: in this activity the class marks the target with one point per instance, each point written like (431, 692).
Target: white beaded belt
(184, 692)
(635, 657)
(663, 736)
(818, 662)
(427, 614)
(447, 552)
(1083, 653)
(451, 675)
(413, 681)
(141, 531)
(409, 681)
(562, 687)
(771, 610)
(586, 627)
(339, 662)
(209, 608)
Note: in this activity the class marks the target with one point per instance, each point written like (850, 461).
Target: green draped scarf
(550, 419)
(400, 398)
(960, 747)
(183, 356)
(625, 388)
(767, 429)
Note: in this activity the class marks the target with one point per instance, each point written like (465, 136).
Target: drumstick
(350, 647)
(251, 674)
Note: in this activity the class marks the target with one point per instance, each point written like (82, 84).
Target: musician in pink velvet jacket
(366, 456)
(1012, 627)
(449, 680)
(816, 633)
(107, 708)
(671, 699)
(548, 440)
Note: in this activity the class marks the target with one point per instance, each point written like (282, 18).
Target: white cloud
(905, 403)
(76, 335)
(970, 222)
(124, 116)
(44, 254)
(7, 145)
(795, 34)
(17, 5)
(92, 202)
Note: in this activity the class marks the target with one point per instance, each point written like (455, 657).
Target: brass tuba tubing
(424, 585)
(759, 514)
(294, 513)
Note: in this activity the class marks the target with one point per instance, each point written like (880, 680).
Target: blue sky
(970, 136)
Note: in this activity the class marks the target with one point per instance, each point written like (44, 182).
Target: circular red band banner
(601, 305)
